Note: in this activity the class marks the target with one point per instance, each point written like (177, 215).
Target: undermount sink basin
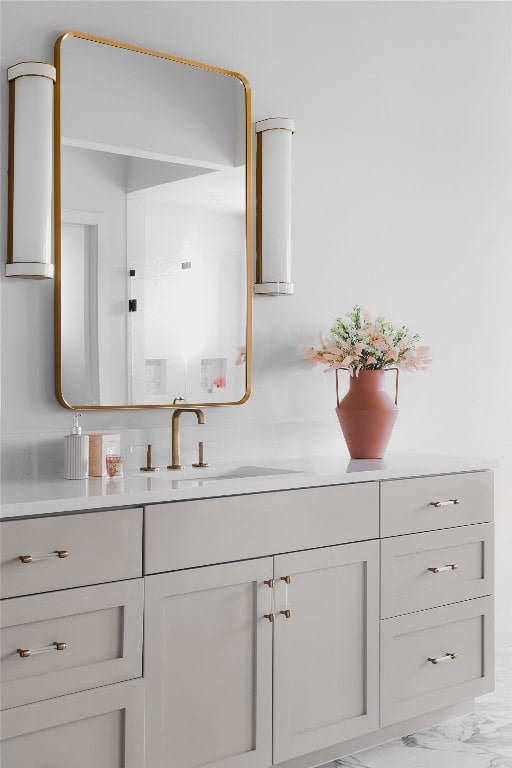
(211, 473)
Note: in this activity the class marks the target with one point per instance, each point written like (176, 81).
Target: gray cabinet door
(103, 728)
(326, 652)
(208, 667)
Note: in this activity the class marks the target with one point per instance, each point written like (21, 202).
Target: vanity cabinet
(236, 655)
(281, 628)
(437, 616)
(71, 641)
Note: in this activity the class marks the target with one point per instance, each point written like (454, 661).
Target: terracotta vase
(367, 414)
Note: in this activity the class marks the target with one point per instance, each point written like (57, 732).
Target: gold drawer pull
(270, 583)
(444, 503)
(440, 659)
(286, 613)
(60, 553)
(270, 616)
(24, 653)
(441, 568)
(286, 579)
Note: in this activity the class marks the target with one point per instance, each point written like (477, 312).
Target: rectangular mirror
(152, 228)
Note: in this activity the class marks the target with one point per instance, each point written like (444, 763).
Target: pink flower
(309, 353)
(418, 359)
(357, 342)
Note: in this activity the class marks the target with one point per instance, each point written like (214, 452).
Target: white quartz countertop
(20, 498)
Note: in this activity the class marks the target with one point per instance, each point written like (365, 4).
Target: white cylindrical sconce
(30, 176)
(274, 206)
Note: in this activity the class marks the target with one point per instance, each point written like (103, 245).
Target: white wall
(402, 199)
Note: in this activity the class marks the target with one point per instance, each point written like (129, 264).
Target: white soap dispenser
(76, 452)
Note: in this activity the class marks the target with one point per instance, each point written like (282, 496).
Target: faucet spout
(175, 456)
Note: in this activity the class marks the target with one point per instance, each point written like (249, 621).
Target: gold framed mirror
(153, 228)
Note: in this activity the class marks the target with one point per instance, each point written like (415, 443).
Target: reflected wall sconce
(30, 173)
(274, 206)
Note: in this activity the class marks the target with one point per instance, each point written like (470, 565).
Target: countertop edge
(53, 496)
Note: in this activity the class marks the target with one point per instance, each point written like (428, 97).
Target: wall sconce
(274, 206)
(30, 173)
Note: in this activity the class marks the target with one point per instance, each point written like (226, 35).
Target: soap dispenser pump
(76, 452)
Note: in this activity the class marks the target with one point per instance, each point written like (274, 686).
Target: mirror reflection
(153, 221)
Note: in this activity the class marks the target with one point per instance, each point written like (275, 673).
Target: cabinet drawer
(101, 628)
(191, 533)
(410, 683)
(101, 728)
(429, 503)
(101, 546)
(411, 580)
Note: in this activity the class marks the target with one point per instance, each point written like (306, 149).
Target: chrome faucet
(175, 458)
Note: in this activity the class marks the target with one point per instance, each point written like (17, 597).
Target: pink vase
(367, 414)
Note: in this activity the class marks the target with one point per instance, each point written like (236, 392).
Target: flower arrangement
(361, 344)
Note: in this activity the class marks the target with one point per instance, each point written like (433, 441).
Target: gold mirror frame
(58, 222)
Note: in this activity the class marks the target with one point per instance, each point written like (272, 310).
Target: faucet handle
(200, 461)
(149, 457)
(201, 445)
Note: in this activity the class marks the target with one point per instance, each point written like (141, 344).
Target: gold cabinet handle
(60, 553)
(447, 503)
(440, 659)
(441, 568)
(24, 653)
(286, 612)
(270, 583)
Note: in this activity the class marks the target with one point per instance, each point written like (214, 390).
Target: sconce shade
(274, 206)
(29, 237)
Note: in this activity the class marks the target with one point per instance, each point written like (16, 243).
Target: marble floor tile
(424, 751)
(489, 727)
(482, 739)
